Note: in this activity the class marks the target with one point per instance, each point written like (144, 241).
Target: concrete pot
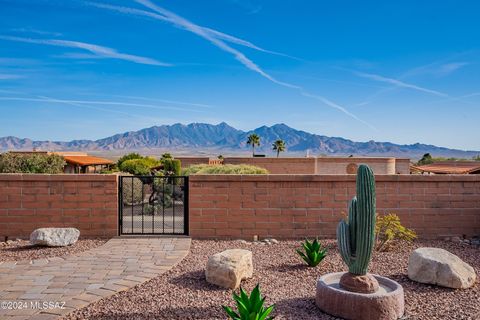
(386, 304)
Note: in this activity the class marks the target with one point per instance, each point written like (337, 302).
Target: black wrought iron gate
(152, 205)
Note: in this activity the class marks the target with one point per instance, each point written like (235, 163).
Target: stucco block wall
(402, 165)
(297, 206)
(189, 161)
(324, 165)
(277, 165)
(86, 202)
(348, 165)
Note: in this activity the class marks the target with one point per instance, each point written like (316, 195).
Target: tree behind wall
(31, 163)
(278, 146)
(253, 140)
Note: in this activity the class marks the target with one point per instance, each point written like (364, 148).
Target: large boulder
(440, 267)
(228, 268)
(54, 237)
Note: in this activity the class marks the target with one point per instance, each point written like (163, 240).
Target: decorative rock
(440, 267)
(54, 237)
(456, 239)
(359, 283)
(387, 303)
(228, 268)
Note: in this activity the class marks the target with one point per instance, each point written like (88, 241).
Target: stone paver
(50, 288)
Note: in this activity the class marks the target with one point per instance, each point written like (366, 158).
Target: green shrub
(140, 167)
(132, 191)
(172, 167)
(314, 253)
(129, 156)
(167, 155)
(388, 228)
(31, 163)
(224, 169)
(249, 308)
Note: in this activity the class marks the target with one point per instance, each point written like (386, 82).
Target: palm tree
(253, 140)
(279, 146)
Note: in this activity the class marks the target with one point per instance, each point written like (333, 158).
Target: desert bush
(314, 253)
(130, 156)
(388, 229)
(132, 191)
(172, 167)
(249, 308)
(31, 163)
(167, 155)
(140, 167)
(224, 169)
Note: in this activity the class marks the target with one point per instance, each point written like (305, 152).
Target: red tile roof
(86, 160)
(451, 167)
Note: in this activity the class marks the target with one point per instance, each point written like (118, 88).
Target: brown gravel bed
(183, 293)
(22, 249)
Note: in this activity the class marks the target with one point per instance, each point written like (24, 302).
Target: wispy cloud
(448, 68)
(336, 106)
(200, 31)
(399, 83)
(243, 59)
(6, 76)
(247, 5)
(95, 49)
(166, 101)
(37, 31)
(166, 18)
(216, 38)
(95, 102)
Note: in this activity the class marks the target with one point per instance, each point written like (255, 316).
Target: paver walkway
(49, 288)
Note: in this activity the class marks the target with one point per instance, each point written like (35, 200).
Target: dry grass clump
(224, 169)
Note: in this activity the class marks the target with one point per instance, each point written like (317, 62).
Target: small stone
(10, 242)
(440, 267)
(275, 241)
(228, 268)
(54, 237)
(243, 241)
(456, 239)
(359, 283)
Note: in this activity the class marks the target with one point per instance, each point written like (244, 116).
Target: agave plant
(249, 307)
(314, 253)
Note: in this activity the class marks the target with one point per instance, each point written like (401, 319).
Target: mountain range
(205, 138)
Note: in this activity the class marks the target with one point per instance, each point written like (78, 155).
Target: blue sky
(404, 71)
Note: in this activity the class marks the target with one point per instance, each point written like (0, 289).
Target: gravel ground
(183, 293)
(22, 249)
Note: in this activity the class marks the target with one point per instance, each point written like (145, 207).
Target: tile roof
(452, 167)
(86, 160)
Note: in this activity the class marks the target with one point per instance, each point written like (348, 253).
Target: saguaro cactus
(356, 238)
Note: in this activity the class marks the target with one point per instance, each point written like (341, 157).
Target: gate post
(120, 204)
(186, 213)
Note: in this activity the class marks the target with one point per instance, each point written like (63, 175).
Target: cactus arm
(343, 238)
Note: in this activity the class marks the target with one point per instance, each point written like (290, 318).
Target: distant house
(77, 162)
(448, 167)
(80, 162)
